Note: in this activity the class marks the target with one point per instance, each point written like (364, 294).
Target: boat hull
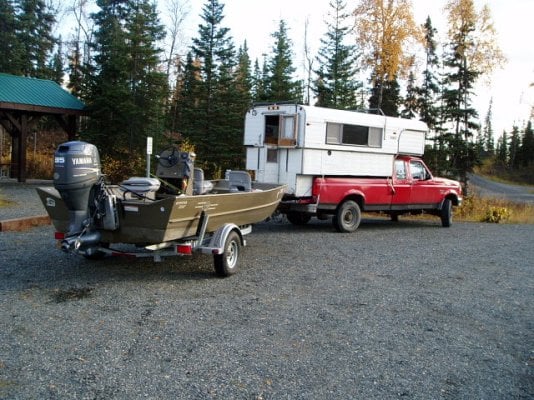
(174, 217)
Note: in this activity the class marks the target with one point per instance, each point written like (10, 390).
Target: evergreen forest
(140, 77)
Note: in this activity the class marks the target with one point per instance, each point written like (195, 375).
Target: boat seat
(142, 186)
(239, 181)
(200, 186)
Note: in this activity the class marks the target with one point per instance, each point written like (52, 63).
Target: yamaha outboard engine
(76, 175)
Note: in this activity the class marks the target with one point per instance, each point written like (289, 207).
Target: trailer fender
(218, 239)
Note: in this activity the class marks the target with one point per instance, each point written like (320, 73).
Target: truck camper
(339, 163)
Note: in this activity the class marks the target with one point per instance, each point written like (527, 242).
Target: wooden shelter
(23, 101)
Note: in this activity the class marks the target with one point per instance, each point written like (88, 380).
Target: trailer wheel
(298, 218)
(446, 213)
(347, 217)
(226, 263)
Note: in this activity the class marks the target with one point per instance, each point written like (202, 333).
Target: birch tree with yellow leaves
(386, 31)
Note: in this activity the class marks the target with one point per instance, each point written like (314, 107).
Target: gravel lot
(405, 310)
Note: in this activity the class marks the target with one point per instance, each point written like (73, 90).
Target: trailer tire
(348, 217)
(226, 263)
(446, 213)
(298, 218)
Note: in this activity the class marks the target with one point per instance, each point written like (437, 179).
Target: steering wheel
(168, 157)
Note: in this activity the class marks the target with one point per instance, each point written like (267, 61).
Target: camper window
(272, 155)
(281, 130)
(353, 135)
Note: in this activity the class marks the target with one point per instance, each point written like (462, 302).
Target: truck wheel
(446, 213)
(347, 217)
(226, 263)
(298, 218)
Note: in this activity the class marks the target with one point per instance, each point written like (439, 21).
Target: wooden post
(22, 148)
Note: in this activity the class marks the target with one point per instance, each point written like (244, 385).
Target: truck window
(281, 130)
(357, 135)
(418, 171)
(400, 169)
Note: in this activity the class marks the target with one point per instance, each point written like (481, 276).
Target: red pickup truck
(411, 189)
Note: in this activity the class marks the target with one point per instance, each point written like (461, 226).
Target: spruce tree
(488, 139)
(428, 92)
(470, 53)
(148, 84)
(336, 85)
(11, 47)
(126, 91)
(259, 80)
(280, 84)
(502, 149)
(526, 152)
(35, 23)
(513, 148)
(186, 98)
(389, 93)
(215, 110)
(409, 110)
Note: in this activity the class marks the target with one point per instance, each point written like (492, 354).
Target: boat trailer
(224, 244)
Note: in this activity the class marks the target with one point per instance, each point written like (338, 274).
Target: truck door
(422, 192)
(401, 185)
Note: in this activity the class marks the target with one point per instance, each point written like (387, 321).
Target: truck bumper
(306, 205)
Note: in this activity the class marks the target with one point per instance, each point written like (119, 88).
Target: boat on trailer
(177, 212)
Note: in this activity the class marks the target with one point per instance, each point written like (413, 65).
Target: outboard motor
(76, 175)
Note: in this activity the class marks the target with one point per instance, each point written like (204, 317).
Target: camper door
(280, 135)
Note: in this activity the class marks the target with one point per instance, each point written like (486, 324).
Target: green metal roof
(35, 92)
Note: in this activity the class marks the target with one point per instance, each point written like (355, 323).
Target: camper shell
(292, 143)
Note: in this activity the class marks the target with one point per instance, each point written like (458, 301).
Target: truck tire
(226, 263)
(348, 217)
(446, 213)
(298, 218)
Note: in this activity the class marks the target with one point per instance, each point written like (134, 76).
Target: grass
(484, 209)
(4, 202)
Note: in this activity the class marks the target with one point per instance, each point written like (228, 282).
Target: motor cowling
(76, 172)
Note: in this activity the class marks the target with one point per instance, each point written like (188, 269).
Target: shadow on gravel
(71, 277)
(367, 224)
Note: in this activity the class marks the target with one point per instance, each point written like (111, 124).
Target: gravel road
(489, 188)
(394, 310)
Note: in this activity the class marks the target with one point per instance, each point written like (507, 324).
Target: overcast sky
(256, 20)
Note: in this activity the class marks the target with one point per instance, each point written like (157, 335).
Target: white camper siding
(319, 162)
(252, 161)
(358, 144)
(412, 142)
(303, 186)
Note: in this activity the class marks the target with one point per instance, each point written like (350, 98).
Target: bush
(496, 215)
(118, 170)
(40, 165)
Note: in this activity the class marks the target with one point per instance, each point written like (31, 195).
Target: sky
(256, 20)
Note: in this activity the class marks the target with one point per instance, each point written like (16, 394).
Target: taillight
(186, 249)
(59, 235)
